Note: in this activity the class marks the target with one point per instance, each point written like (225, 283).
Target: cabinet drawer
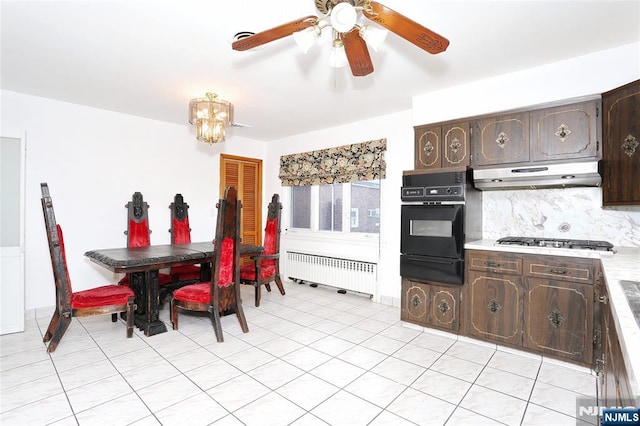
(564, 269)
(495, 262)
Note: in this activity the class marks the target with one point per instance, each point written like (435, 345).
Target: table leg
(145, 286)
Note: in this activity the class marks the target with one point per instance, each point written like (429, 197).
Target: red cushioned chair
(138, 232)
(222, 293)
(109, 299)
(265, 267)
(181, 234)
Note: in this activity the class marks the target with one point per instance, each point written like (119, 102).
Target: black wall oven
(440, 211)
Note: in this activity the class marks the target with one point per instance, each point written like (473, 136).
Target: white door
(12, 157)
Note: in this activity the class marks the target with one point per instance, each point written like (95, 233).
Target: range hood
(562, 175)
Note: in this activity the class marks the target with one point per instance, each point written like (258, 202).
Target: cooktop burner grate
(557, 243)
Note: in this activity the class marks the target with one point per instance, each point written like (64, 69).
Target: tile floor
(312, 357)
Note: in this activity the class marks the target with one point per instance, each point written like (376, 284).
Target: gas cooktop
(557, 243)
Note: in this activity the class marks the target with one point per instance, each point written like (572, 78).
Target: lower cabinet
(614, 387)
(540, 303)
(559, 319)
(431, 304)
(493, 307)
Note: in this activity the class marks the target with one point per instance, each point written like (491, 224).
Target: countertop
(621, 265)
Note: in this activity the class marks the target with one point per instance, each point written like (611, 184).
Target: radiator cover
(348, 274)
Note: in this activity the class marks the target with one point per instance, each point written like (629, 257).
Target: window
(330, 198)
(339, 207)
(365, 197)
(301, 207)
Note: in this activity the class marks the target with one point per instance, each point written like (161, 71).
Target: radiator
(346, 274)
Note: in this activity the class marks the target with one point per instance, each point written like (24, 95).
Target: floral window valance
(348, 163)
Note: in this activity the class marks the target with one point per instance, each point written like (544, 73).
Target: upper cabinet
(502, 139)
(621, 146)
(553, 134)
(442, 145)
(565, 132)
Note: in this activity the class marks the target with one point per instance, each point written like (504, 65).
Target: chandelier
(211, 116)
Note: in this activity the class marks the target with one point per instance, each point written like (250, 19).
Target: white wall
(93, 161)
(572, 213)
(582, 76)
(398, 131)
(578, 77)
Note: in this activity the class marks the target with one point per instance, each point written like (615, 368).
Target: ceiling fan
(341, 17)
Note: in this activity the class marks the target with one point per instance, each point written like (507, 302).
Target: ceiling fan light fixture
(343, 17)
(337, 56)
(306, 38)
(373, 36)
(211, 116)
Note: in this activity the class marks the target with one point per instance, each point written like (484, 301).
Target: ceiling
(149, 58)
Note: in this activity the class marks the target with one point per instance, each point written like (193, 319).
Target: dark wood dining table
(144, 263)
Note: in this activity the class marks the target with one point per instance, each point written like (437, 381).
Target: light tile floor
(312, 357)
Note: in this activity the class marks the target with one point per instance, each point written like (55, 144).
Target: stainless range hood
(562, 175)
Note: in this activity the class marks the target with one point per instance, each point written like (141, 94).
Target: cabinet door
(565, 132)
(455, 144)
(503, 139)
(414, 300)
(621, 145)
(495, 307)
(559, 319)
(427, 147)
(444, 307)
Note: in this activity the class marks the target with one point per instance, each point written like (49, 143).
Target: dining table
(143, 264)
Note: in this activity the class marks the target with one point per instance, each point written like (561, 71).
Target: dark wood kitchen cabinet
(544, 304)
(430, 304)
(538, 136)
(442, 145)
(565, 132)
(558, 307)
(493, 297)
(621, 146)
(501, 139)
(614, 387)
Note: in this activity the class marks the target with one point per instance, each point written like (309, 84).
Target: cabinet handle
(559, 271)
(494, 306)
(556, 318)
(415, 301)
(443, 307)
(493, 264)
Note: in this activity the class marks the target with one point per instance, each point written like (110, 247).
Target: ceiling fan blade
(357, 53)
(275, 33)
(411, 31)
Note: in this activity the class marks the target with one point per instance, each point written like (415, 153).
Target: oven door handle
(443, 260)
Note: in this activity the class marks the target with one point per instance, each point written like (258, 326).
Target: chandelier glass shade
(211, 116)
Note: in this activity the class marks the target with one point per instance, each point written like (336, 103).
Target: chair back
(138, 233)
(180, 230)
(271, 242)
(57, 253)
(227, 258)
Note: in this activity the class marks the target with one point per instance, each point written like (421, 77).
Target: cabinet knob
(493, 264)
(603, 299)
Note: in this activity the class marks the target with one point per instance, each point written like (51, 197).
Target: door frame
(19, 295)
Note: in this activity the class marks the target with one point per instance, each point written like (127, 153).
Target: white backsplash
(573, 213)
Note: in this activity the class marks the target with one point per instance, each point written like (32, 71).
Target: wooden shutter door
(246, 175)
